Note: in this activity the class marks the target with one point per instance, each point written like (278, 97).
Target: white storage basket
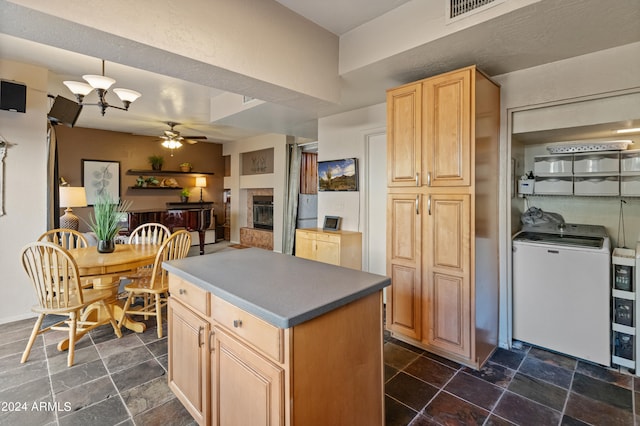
(553, 165)
(630, 161)
(596, 163)
(630, 186)
(553, 185)
(597, 185)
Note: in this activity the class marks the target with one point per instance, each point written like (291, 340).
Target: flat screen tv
(64, 111)
(338, 175)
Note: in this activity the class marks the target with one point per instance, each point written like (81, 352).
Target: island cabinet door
(188, 374)
(247, 389)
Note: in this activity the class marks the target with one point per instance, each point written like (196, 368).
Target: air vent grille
(461, 7)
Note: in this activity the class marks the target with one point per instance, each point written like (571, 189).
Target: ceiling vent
(457, 9)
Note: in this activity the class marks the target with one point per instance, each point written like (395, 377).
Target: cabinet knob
(182, 291)
(237, 323)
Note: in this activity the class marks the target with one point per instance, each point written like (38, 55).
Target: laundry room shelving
(624, 308)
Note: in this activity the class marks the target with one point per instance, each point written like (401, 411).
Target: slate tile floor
(529, 386)
(123, 382)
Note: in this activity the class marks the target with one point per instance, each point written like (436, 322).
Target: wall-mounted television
(338, 175)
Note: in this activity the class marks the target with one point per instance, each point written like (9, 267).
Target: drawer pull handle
(182, 291)
(237, 323)
(428, 178)
(200, 333)
(417, 179)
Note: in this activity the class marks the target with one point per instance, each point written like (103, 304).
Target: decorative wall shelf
(166, 173)
(155, 187)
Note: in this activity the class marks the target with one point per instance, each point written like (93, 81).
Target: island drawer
(255, 331)
(190, 294)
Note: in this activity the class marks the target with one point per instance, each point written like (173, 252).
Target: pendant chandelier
(101, 85)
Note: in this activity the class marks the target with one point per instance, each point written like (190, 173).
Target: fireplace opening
(263, 211)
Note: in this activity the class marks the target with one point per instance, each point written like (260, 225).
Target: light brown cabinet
(442, 225)
(342, 248)
(229, 367)
(188, 353)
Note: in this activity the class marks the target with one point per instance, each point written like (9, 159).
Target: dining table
(104, 271)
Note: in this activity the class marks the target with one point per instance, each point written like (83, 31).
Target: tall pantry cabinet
(442, 214)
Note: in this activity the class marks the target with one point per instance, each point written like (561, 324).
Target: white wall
(238, 184)
(25, 191)
(607, 71)
(344, 136)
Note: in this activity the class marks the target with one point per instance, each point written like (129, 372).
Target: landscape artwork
(338, 175)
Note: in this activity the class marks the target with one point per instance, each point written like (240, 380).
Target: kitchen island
(257, 337)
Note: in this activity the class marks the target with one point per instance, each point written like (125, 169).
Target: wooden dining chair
(55, 278)
(149, 233)
(67, 238)
(156, 284)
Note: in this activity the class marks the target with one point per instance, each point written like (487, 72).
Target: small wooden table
(105, 269)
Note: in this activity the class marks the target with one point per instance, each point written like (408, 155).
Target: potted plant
(105, 222)
(156, 162)
(184, 195)
(185, 167)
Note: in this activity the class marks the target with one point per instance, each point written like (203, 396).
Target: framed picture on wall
(101, 177)
(338, 175)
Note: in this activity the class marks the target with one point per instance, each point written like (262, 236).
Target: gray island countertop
(281, 289)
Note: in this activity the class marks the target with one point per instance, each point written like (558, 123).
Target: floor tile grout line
(53, 395)
(111, 379)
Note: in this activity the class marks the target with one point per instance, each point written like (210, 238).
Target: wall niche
(257, 162)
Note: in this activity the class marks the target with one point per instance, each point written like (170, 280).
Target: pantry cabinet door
(404, 136)
(447, 129)
(404, 264)
(447, 305)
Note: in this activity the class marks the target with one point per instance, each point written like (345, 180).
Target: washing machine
(561, 289)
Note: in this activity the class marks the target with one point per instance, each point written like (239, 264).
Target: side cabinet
(342, 248)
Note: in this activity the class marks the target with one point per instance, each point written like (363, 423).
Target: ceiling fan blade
(191, 141)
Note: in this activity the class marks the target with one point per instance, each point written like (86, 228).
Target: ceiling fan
(173, 140)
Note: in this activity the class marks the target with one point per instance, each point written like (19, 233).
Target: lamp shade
(99, 81)
(127, 95)
(78, 88)
(73, 196)
(201, 182)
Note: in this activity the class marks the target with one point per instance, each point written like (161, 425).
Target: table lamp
(71, 196)
(201, 182)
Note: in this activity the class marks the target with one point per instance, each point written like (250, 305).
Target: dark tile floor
(123, 382)
(529, 386)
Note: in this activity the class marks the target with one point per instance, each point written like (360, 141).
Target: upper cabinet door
(447, 109)
(404, 135)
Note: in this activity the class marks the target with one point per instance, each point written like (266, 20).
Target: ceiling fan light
(99, 81)
(127, 95)
(171, 144)
(78, 88)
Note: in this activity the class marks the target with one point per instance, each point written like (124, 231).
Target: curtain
(53, 198)
(291, 200)
(309, 173)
